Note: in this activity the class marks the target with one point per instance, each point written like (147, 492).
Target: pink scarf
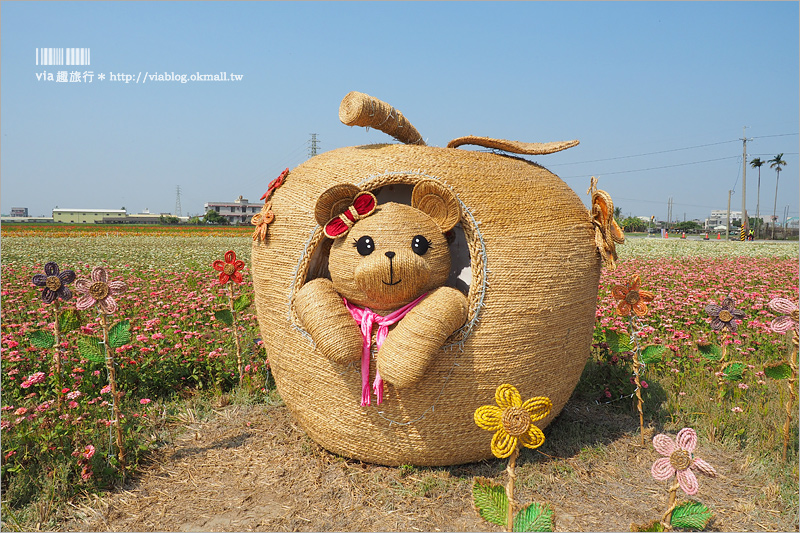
(366, 318)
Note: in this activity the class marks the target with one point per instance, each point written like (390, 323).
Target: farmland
(178, 370)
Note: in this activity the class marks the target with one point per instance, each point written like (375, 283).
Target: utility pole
(785, 221)
(313, 150)
(745, 221)
(669, 211)
(728, 223)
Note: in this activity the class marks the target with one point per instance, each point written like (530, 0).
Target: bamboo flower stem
(57, 360)
(790, 402)
(112, 379)
(512, 476)
(236, 335)
(671, 504)
(637, 380)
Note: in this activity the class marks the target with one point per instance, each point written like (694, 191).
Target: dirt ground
(250, 468)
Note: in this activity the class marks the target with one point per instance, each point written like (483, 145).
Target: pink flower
(106, 389)
(74, 395)
(99, 291)
(145, 401)
(21, 411)
(785, 323)
(89, 451)
(678, 461)
(736, 409)
(33, 379)
(72, 405)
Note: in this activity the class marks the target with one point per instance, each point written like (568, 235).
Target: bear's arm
(411, 346)
(323, 314)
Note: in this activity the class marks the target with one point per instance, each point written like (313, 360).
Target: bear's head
(384, 257)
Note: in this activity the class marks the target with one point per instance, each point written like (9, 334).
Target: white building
(237, 212)
(85, 216)
(719, 217)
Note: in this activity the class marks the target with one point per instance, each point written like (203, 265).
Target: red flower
(229, 270)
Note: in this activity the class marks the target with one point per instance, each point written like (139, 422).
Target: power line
(778, 135)
(655, 168)
(669, 151)
(648, 153)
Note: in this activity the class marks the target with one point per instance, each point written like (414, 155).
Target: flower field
(57, 438)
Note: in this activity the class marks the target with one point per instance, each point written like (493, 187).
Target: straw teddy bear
(388, 265)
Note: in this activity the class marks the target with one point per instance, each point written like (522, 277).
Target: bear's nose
(390, 255)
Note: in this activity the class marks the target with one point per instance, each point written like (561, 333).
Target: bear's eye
(420, 245)
(365, 245)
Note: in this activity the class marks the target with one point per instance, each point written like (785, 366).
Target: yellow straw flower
(513, 420)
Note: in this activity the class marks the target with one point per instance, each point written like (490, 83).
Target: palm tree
(756, 163)
(776, 162)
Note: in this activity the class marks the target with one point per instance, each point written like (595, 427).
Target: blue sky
(657, 93)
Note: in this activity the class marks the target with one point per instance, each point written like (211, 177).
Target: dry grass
(250, 468)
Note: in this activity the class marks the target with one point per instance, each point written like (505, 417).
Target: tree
(633, 224)
(168, 219)
(756, 163)
(776, 162)
(212, 217)
(689, 225)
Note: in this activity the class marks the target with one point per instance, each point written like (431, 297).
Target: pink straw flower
(789, 321)
(678, 460)
(99, 291)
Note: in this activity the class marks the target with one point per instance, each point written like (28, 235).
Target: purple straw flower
(54, 283)
(723, 316)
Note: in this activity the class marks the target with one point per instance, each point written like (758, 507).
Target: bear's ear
(438, 202)
(334, 202)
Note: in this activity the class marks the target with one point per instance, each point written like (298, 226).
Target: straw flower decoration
(98, 290)
(631, 297)
(678, 460)
(512, 420)
(262, 221)
(789, 321)
(229, 270)
(54, 283)
(723, 316)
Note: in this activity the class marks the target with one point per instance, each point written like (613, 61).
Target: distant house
(719, 217)
(19, 211)
(85, 216)
(145, 217)
(237, 212)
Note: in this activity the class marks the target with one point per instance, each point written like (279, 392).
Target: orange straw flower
(631, 298)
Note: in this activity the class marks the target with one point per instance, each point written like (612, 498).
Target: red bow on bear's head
(362, 206)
